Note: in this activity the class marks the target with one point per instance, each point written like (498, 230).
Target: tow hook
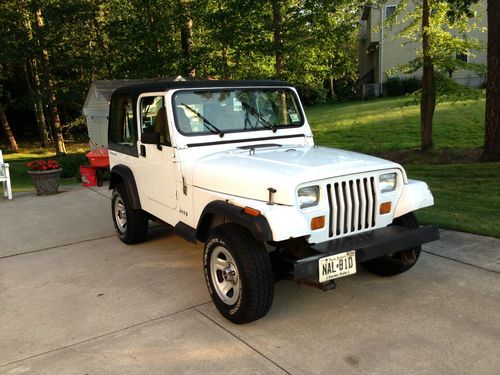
(408, 257)
(325, 287)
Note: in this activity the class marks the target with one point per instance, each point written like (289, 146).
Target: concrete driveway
(75, 300)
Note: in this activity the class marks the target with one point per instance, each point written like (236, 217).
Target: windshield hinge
(271, 191)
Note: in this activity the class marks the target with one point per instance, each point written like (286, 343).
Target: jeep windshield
(220, 111)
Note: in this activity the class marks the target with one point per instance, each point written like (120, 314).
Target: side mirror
(150, 138)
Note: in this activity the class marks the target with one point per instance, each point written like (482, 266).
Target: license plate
(337, 265)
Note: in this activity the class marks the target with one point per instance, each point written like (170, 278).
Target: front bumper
(369, 245)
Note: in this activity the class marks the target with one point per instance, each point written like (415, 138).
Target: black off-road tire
(255, 293)
(394, 264)
(134, 228)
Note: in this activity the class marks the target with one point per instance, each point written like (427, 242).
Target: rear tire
(131, 225)
(402, 261)
(238, 274)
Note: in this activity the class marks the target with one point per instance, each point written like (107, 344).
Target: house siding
(395, 52)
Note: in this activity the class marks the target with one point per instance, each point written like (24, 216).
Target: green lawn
(467, 196)
(20, 179)
(393, 124)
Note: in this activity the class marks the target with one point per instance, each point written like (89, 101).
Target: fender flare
(258, 225)
(123, 173)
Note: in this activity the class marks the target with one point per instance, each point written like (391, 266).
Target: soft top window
(199, 112)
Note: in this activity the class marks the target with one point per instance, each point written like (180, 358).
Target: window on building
(389, 10)
(462, 57)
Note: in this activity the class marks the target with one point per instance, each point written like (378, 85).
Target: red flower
(42, 165)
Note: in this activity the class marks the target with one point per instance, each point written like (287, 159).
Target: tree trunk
(49, 85)
(8, 131)
(33, 79)
(225, 45)
(152, 32)
(278, 38)
(187, 41)
(32, 75)
(428, 96)
(225, 61)
(100, 38)
(491, 151)
(331, 87)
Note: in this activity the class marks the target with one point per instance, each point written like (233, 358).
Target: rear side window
(122, 126)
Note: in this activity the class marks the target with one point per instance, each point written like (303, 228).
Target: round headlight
(308, 196)
(387, 182)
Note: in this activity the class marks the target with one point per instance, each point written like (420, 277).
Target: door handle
(143, 151)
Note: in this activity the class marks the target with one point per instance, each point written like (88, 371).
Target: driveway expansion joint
(242, 341)
(56, 247)
(462, 262)
(98, 192)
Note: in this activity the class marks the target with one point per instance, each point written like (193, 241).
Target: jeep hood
(248, 173)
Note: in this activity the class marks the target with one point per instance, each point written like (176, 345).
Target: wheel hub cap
(229, 273)
(224, 275)
(120, 214)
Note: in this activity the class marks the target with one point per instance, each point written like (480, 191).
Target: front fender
(285, 221)
(415, 195)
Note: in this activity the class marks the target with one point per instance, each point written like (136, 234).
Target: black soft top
(159, 86)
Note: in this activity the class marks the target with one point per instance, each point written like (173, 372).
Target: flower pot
(46, 182)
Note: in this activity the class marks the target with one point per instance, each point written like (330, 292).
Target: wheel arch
(257, 225)
(123, 174)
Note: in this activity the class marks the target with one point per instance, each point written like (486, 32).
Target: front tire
(402, 261)
(131, 225)
(238, 274)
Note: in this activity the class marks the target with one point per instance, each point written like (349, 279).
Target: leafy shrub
(345, 89)
(76, 130)
(397, 86)
(311, 94)
(71, 164)
(448, 90)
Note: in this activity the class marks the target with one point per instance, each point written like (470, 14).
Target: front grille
(352, 205)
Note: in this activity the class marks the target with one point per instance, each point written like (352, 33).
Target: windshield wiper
(265, 123)
(211, 127)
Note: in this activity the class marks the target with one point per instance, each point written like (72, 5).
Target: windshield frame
(289, 90)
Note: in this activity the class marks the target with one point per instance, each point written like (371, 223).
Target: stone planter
(46, 182)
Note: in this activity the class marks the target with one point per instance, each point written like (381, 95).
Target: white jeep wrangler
(233, 164)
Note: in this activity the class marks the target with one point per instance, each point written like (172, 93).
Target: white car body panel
(415, 195)
(247, 174)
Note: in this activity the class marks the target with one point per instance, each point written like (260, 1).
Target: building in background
(381, 51)
(96, 106)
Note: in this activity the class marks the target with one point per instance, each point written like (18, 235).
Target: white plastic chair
(5, 178)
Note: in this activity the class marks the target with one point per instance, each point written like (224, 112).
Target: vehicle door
(157, 168)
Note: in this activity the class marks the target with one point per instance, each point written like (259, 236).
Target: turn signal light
(385, 208)
(317, 222)
(251, 211)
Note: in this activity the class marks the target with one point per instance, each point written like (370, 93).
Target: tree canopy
(53, 49)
